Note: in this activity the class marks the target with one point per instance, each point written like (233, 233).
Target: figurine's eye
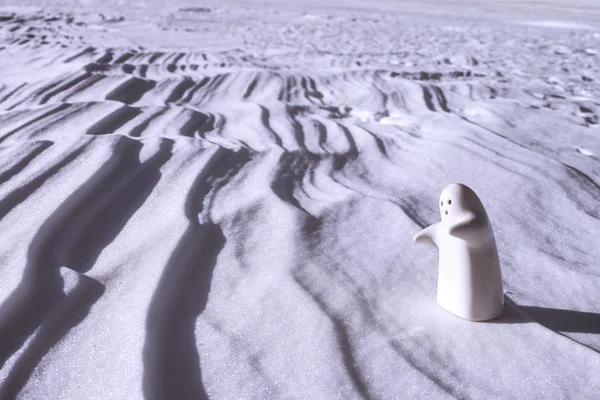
(442, 202)
(446, 212)
(449, 201)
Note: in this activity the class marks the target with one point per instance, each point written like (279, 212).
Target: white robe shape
(469, 276)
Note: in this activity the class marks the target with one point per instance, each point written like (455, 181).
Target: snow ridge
(195, 214)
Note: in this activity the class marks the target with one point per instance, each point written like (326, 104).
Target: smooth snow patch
(558, 24)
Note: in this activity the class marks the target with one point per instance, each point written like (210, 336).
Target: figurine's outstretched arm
(458, 227)
(427, 235)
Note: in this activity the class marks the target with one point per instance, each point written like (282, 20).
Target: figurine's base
(476, 317)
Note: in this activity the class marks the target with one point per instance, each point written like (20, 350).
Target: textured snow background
(219, 200)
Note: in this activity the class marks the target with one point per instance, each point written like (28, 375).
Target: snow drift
(221, 202)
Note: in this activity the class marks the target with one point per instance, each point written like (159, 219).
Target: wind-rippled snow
(220, 202)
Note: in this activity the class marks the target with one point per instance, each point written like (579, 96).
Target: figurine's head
(456, 199)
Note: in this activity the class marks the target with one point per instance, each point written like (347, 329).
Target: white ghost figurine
(469, 277)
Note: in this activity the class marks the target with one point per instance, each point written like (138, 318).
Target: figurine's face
(451, 202)
(456, 199)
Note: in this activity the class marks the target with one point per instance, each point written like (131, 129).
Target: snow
(218, 200)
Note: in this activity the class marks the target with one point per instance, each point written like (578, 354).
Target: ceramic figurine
(469, 277)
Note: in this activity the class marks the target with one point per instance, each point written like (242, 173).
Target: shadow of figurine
(556, 319)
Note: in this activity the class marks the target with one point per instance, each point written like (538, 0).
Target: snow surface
(219, 201)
